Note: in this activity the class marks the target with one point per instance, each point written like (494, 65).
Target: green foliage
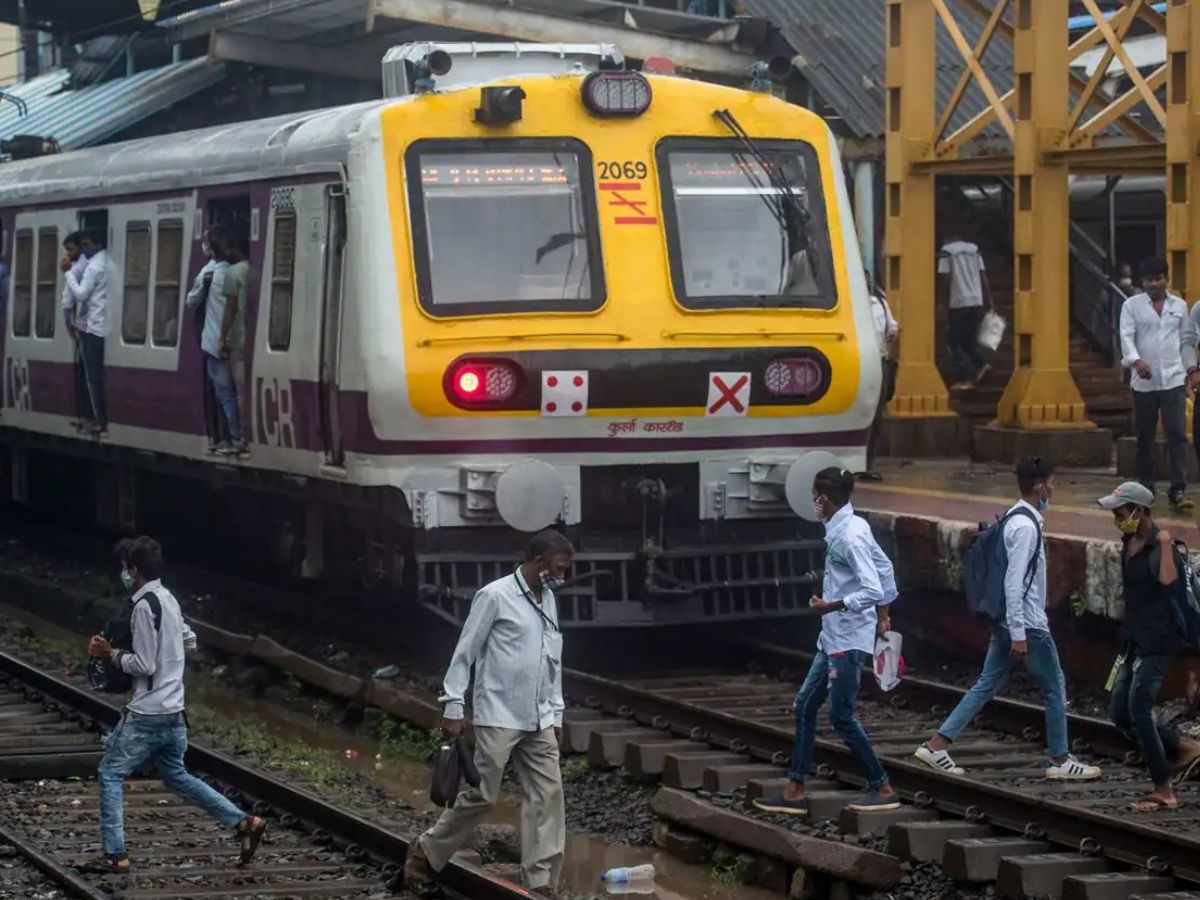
(400, 740)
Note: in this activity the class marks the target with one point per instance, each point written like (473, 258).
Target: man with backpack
(1005, 579)
(153, 724)
(1160, 619)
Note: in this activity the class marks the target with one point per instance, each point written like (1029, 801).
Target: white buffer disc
(529, 495)
(799, 484)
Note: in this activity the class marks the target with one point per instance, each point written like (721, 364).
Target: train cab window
(746, 230)
(283, 275)
(46, 303)
(23, 284)
(504, 226)
(168, 278)
(136, 299)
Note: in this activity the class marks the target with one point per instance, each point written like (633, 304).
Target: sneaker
(777, 803)
(1071, 769)
(869, 800)
(1180, 502)
(418, 874)
(939, 759)
(962, 386)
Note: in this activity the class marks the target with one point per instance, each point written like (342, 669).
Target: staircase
(983, 213)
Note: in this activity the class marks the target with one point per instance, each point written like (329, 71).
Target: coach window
(168, 275)
(283, 276)
(502, 226)
(746, 229)
(23, 284)
(46, 305)
(135, 302)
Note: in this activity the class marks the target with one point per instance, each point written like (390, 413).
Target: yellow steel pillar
(1041, 394)
(1183, 131)
(909, 252)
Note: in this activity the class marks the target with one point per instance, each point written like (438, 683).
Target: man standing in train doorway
(89, 293)
(73, 263)
(512, 638)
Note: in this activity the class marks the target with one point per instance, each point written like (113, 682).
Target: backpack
(103, 675)
(985, 565)
(1187, 604)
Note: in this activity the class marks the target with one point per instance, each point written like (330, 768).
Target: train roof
(312, 140)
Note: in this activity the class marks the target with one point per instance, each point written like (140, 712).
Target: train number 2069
(626, 169)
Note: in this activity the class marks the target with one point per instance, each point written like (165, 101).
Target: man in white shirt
(887, 330)
(153, 724)
(89, 293)
(1025, 635)
(512, 638)
(852, 590)
(1158, 342)
(962, 263)
(74, 263)
(210, 279)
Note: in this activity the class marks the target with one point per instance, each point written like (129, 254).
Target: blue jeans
(1042, 663)
(164, 739)
(1136, 687)
(834, 677)
(220, 375)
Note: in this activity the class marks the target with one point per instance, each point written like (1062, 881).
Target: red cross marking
(728, 394)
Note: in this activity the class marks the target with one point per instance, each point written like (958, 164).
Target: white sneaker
(1071, 769)
(938, 759)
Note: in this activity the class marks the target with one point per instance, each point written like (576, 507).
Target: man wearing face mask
(1023, 635)
(1158, 342)
(852, 590)
(1125, 279)
(512, 638)
(1151, 579)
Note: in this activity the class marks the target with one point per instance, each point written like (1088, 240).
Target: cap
(1128, 494)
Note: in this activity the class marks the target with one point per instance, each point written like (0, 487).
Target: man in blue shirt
(854, 586)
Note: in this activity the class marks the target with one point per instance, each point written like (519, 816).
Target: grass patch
(400, 740)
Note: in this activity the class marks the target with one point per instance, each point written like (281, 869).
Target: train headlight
(793, 377)
(616, 93)
(475, 383)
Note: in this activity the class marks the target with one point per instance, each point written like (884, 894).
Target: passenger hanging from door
(219, 316)
(210, 278)
(89, 292)
(233, 331)
(74, 315)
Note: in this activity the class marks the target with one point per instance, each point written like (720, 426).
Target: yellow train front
(632, 305)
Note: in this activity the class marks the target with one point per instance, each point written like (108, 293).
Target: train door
(331, 323)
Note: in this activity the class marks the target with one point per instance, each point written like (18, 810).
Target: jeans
(91, 354)
(966, 353)
(220, 375)
(1134, 692)
(1147, 405)
(835, 677)
(1042, 663)
(136, 739)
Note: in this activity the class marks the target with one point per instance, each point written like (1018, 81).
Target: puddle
(587, 857)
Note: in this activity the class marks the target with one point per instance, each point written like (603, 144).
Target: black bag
(454, 763)
(102, 674)
(888, 387)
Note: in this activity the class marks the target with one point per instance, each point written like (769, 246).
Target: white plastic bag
(889, 663)
(991, 330)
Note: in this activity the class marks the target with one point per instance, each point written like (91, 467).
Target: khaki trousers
(543, 823)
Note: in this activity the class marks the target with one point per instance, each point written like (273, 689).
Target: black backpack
(103, 675)
(986, 563)
(1187, 603)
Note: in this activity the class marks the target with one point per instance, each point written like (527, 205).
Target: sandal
(250, 833)
(106, 865)
(1152, 804)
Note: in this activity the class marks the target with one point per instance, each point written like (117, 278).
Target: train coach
(529, 287)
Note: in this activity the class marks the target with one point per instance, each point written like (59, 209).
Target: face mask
(551, 582)
(1126, 282)
(1043, 501)
(819, 506)
(126, 579)
(1130, 525)
(207, 249)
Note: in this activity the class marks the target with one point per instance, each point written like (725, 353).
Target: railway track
(49, 749)
(733, 735)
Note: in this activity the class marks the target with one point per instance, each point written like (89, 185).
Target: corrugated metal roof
(841, 48)
(81, 118)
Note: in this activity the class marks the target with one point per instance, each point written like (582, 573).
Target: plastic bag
(454, 763)
(991, 330)
(889, 663)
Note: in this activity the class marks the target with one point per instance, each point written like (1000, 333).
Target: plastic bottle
(629, 873)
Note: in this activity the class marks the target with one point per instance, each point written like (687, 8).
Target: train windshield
(504, 226)
(746, 230)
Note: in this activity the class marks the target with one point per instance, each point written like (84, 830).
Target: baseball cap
(1128, 494)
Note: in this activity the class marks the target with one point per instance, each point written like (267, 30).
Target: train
(529, 287)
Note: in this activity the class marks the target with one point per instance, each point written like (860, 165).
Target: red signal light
(479, 382)
(469, 382)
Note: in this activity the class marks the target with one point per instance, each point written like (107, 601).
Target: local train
(530, 287)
